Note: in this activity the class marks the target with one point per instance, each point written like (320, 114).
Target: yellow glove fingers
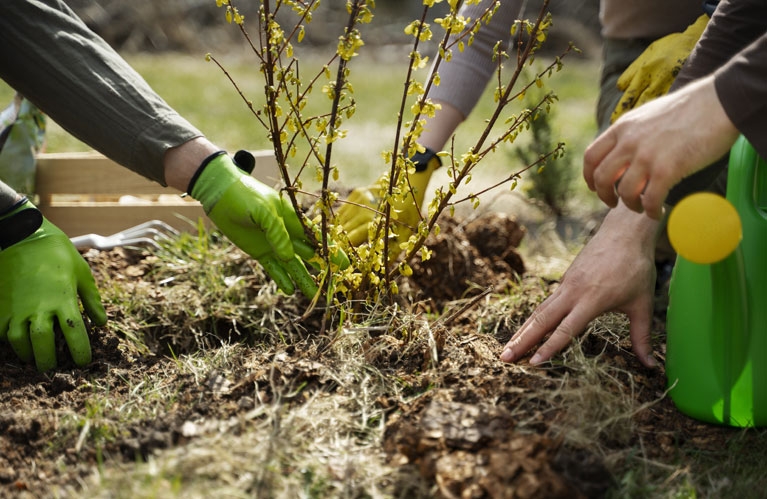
(355, 218)
(43, 342)
(358, 234)
(357, 215)
(652, 73)
(362, 218)
(350, 213)
(18, 337)
(633, 93)
(628, 75)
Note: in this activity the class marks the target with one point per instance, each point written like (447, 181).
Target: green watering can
(716, 358)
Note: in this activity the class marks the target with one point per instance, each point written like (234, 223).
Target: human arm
(463, 80)
(615, 271)
(728, 63)
(652, 148)
(85, 86)
(52, 58)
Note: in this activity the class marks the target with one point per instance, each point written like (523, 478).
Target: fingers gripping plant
(303, 144)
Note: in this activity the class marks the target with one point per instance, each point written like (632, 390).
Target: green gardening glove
(41, 276)
(653, 72)
(361, 207)
(259, 221)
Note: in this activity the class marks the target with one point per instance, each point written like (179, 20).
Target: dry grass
(320, 447)
(277, 412)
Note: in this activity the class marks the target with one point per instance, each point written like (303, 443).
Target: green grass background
(201, 92)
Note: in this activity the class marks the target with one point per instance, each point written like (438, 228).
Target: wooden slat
(92, 173)
(62, 177)
(106, 219)
(74, 173)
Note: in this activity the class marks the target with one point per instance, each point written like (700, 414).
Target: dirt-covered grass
(205, 383)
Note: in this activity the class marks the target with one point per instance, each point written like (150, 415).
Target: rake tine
(145, 233)
(156, 227)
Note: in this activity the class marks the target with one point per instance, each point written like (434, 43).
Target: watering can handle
(742, 188)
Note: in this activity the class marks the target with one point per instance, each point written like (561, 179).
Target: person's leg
(617, 55)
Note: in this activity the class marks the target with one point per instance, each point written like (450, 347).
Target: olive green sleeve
(51, 57)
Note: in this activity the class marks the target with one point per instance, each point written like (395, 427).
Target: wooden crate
(87, 193)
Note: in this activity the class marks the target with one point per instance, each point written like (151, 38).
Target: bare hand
(615, 271)
(650, 149)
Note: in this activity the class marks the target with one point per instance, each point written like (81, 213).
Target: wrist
(214, 176)
(18, 223)
(426, 160)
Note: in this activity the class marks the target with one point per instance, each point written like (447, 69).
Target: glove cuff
(426, 160)
(217, 173)
(18, 223)
(14, 207)
(201, 168)
(243, 159)
(709, 6)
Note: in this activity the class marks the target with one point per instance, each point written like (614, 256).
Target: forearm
(54, 60)
(465, 76)
(181, 162)
(740, 88)
(438, 129)
(734, 48)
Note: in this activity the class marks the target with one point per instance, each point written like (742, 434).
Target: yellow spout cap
(704, 228)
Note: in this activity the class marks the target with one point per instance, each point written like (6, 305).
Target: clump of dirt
(469, 451)
(469, 258)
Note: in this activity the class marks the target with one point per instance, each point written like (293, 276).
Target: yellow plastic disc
(704, 228)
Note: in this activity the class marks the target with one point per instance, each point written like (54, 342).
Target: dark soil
(472, 427)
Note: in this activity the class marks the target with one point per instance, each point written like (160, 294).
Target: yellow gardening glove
(653, 72)
(359, 212)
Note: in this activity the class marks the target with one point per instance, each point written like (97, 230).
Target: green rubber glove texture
(260, 222)
(41, 278)
(653, 72)
(359, 212)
